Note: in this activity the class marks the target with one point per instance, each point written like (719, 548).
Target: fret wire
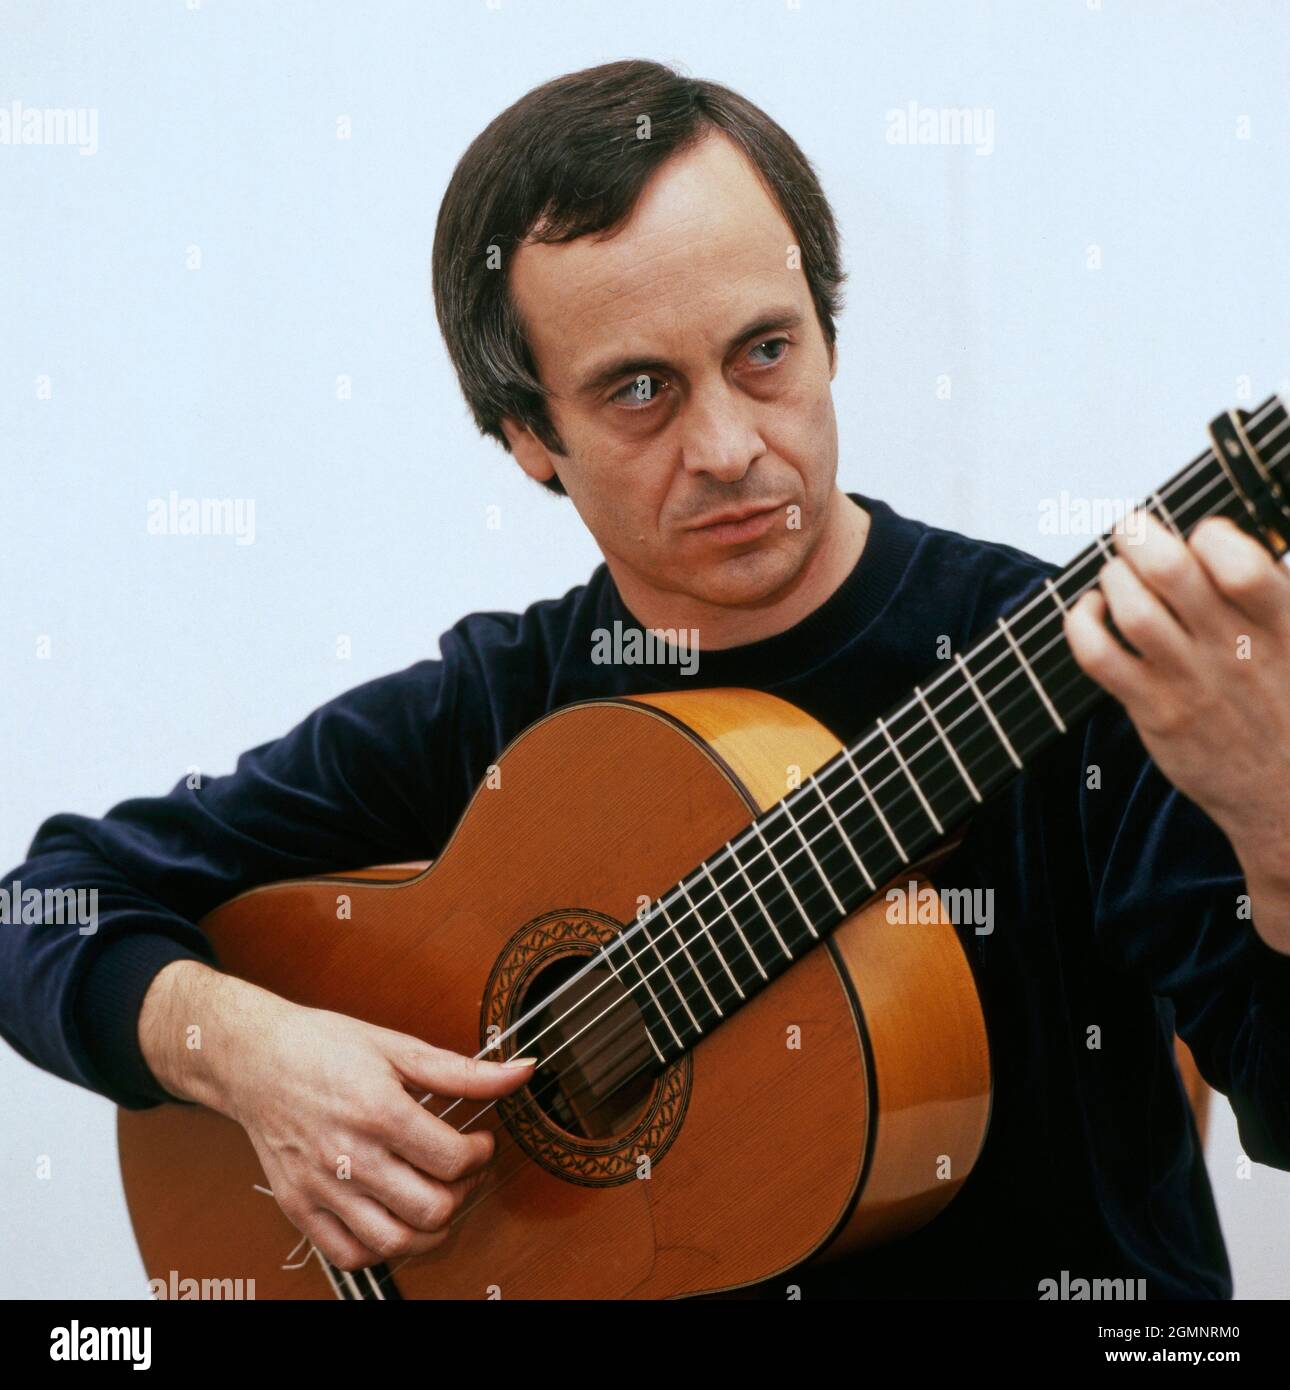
(683, 994)
(998, 728)
(607, 953)
(871, 798)
(723, 938)
(667, 1018)
(934, 772)
(1049, 664)
(940, 829)
(709, 938)
(836, 850)
(1034, 679)
(944, 738)
(810, 926)
(756, 898)
(827, 803)
(864, 787)
(685, 947)
(1166, 514)
(807, 847)
(729, 913)
(1247, 502)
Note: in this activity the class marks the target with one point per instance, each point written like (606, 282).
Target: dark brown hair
(569, 159)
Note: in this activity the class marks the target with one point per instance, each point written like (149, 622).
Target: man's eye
(639, 393)
(771, 343)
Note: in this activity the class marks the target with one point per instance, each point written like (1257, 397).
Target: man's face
(690, 377)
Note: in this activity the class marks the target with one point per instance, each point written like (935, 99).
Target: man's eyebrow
(605, 374)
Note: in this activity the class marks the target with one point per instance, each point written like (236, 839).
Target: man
(637, 275)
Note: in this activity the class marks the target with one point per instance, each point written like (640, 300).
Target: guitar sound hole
(594, 1075)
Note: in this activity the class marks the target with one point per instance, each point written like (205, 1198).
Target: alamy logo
(1080, 1290)
(77, 1343)
(972, 907)
(630, 646)
(942, 125)
(202, 516)
(50, 125)
(177, 1288)
(1068, 515)
(59, 907)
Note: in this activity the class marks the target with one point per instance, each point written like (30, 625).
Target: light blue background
(217, 129)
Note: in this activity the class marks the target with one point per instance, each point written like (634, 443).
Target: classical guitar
(701, 963)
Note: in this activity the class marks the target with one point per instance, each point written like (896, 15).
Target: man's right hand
(331, 1105)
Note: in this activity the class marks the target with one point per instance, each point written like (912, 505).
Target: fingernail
(518, 1061)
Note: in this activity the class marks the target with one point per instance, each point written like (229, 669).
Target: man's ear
(833, 360)
(530, 453)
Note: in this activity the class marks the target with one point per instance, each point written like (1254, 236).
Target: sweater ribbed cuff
(107, 1008)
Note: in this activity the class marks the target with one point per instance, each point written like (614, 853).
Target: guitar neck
(921, 770)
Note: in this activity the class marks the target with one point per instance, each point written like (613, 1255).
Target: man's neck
(719, 626)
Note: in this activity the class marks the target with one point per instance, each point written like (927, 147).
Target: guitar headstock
(1253, 447)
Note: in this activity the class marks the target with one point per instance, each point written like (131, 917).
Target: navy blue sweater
(1116, 908)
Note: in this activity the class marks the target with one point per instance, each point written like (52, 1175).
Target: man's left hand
(1209, 688)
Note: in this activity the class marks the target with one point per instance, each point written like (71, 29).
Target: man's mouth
(738, 525)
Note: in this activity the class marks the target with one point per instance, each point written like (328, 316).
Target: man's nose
(720, 437)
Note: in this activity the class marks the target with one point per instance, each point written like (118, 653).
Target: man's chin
(747, 579)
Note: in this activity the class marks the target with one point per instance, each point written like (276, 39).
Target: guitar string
(816, 892)
(826, 799)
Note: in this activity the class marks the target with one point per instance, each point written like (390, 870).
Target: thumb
(450, 1074)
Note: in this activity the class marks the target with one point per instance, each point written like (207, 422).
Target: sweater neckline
(817, 638)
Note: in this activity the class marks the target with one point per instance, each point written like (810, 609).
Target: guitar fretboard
(766, 897)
